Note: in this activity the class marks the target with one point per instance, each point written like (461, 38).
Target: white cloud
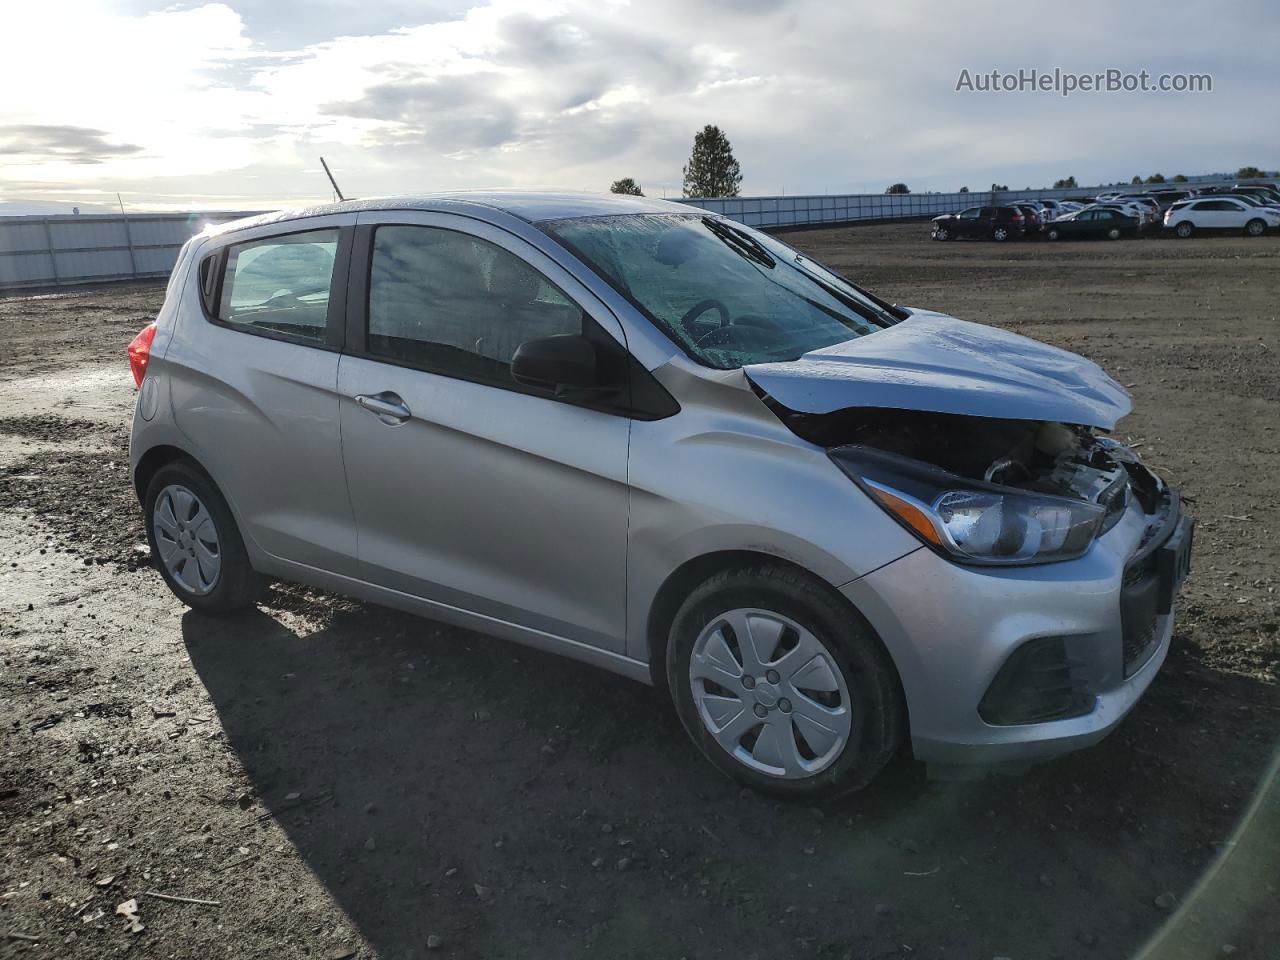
(815, 96)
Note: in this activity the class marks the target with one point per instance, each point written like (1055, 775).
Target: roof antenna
(332, 182)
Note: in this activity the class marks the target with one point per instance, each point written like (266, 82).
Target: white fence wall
(50, 251)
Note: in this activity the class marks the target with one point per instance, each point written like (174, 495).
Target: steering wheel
(697, 310)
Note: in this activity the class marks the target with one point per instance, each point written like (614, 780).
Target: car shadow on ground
(517, 804)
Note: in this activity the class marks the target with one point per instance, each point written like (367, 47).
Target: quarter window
(458, 305)
(280, 285)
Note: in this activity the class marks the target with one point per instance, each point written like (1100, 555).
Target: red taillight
(140, 352)
(1017, 217)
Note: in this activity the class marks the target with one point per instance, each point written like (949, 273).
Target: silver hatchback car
(829, 527)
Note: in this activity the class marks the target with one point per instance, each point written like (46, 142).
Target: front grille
(1036, 684)
(1146, 592)
(1139, 608)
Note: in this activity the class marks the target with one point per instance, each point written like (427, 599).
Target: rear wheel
(1255, 228)
(782, 685)
(195, 542)
(1184, 229)
(1113, 233)
(1052, 233)
(1000, 233)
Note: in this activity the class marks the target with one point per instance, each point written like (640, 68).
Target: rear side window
(280, 285)
(457, 305)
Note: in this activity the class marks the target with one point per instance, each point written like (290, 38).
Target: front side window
(457, 305)
(280, 285)
(727, 295)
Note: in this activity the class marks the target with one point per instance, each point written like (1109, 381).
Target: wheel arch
(686, 577)
(159, 456)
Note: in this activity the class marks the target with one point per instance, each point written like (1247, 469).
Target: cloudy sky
(229, 104)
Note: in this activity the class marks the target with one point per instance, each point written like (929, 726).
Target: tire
(1113, 233)
(820, 639)
(1255, 227)
(1052, 233)
(941, 233)
(1000, 233)
(1184, 229)
(186, 514)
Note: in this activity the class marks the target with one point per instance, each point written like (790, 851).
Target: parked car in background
(1265, 194)
(1216, 212)
(988, 223)
(1053, 208)
(1096, 222)
(1032, 214)
(1254, 201)
(1167, 198)
(1150, 205)
(569, 420)
(1139, 212)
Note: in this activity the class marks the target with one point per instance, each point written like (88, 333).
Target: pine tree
(626, 185)
(711, 171)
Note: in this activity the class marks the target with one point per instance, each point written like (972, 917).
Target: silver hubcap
(1255, 228)
(186, 539)
(770, 693)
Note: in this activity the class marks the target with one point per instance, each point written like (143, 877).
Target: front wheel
(1255, 228)
(195, 542)
(782, 685)
(1183, 229)
(1053, 233)
(941, 233)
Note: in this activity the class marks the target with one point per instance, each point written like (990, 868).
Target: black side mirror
(563, 362)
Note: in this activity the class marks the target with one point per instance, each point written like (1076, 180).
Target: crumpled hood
(937, 363)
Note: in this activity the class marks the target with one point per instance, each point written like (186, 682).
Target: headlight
(969, 520)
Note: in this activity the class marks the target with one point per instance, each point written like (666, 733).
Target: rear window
(279, 285)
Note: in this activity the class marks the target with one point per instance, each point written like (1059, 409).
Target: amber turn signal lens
(909, 514)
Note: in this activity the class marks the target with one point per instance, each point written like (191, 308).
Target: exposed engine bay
(1051, 458)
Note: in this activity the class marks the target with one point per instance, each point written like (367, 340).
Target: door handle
(386, 406)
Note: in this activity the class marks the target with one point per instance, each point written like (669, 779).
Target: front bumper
(951, 628)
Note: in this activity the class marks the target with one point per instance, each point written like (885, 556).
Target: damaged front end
(988, 491)
(1000, 492)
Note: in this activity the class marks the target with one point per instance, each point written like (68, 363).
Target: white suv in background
(1220, 213)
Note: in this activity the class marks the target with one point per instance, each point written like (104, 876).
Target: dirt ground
(346, 781)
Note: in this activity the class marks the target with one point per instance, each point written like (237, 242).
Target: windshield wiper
(739, 242)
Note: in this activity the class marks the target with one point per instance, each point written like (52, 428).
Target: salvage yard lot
(348, 781)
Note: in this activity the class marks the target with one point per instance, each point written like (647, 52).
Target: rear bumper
(950, 629)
